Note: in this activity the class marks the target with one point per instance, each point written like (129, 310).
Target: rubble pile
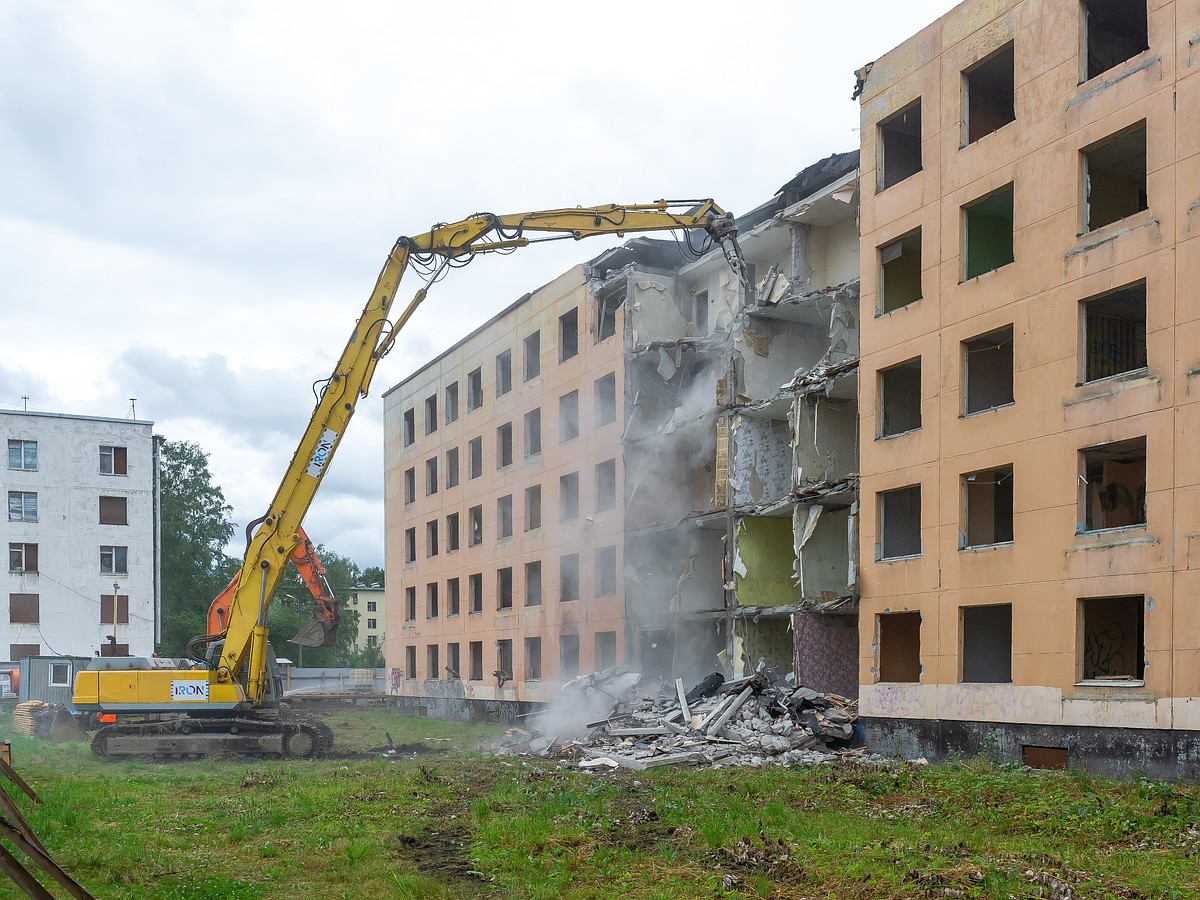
(615, 719)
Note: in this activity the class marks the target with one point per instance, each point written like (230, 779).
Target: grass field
(453, 823)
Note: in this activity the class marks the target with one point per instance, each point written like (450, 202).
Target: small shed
(50, 679)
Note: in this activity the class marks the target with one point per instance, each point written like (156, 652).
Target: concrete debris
(645, 724)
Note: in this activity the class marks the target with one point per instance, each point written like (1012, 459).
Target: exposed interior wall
(826, 650)
(760, 471)
(769, 639)
(764, 559)
(674, 570)
(833, 254)
(771, 352)
(825, 438)
(654, 313)
(823, 563)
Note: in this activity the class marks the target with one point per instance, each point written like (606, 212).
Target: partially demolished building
(687, 437)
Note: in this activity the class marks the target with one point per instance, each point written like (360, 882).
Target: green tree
(372, 575)
(293, 608)
(195, 529)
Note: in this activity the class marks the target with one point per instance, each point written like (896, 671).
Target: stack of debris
(751, 721)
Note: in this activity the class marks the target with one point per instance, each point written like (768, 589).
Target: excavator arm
(274, 538)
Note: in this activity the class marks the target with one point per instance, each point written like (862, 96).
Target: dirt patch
(440, 854)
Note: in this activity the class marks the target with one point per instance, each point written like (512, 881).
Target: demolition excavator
(223, 697)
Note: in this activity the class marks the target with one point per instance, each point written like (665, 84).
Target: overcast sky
(197, 196)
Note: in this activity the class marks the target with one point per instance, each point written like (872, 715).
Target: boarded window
(23, 609)
(474, 389)
(900, 272)
(107, 602)
(568, 577)
(533, 583)
(900, 145)
(504, 447)
(451, 402)
(900, 398)
(568, 655)
(1114, 485)
(475, 652)
(568, 416)
(504, 517)
(114, 511)
(988, 95)
(568, 497)
(22, 506)
(23, 455)
(475, 457)
(533, 433)
(22, 557)
(606, 649)
(606, 400)
(112, 648)
(475, 591)
(533, 507)
(433, 668)
(453, 597)
(1114, 31)
(114, 560)
(606, 571)
(1114, 175)
(568, 335)
(988, 508)
(988, 233)
(899, 646)
(986, 644)
(1114, 332)
(533, 356)
(503, 373)
(20, 651)
(988, 371)
(606, 485)
(114, 461)
(533, 658)
(900, 522)
(1113, 632)
(504, 587)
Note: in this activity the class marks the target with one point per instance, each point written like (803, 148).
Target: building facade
(81, 535)
(368, 601)
(1030, 174)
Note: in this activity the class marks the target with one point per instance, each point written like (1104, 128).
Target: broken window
(451, 532)
(475, 651)
(453, 662)
(900, 272)
(606, 485)
(504, 588)
(431, 538)
(110, 603)
(431, 600)
(114, 461)
(568, 497)
(504, 661)
(503, 373)
(504, 448)
(410, 603)
(475, 457)
(431, 414)
(568, 655)
(22, 506)
(533, 356)
(899, 646)
(900, 398)
(533, 659)
(410, 661)
(986, 644)
(504, 517)
(114, 511)
(988, 94)
(474, 389)
(533, 583)
(1114, 31)
(568, 335)
(606, 316)
(475, 592)
(1114, 178)
(410, 427)
(113, 560)
(475, 523)
(1114, 485)
(431, 476)
(606, 649)
(23, 455)
(452, 467)
(453, 597)
(451, 402)
(606, 571)
(606, 400)
(1114, 643)
(22, 557)
(24, 609)
(533, 433)
(899, 523)
(410, 485)
(1114, 332)
(988, 502)
(433, 671)
(568, 416)
(900, 145)
(533, 507)
(988, 371)
(988, 233)
(568, 577)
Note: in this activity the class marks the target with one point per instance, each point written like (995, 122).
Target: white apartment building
(367, 601)
(81, 535)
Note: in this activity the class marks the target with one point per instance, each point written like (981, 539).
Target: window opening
(900, 522)
(431, 600)
(504, 587)
(1114, 645)
(900, 145)
(606, 649)
(114, 461)
(23, 609)
(1114, 333)
(1114, 177)
(533, 659)
(504, 517)
(606, 400)
(988, 94)
(988, 232)
(22, 557)
(410, 604)
(410, 661)
(453, 597)
(475, 651)
(504, 448)
(431, 538)
(533, 356)
(900, 398)
(900, 272)
(533, 433)
(114, 560)
(475, 591)
(452, 467)
(452, 532)
(606, 485)
(568, 577)
(899, 646)
(568, 497)
(1114, 485)
(410, 427)
(474, 389)
(22, 506)
(106, 609)
(453, 662)
(410, 545)
(60, 674)
(410, 485)
(986, 644)
(988, 501)
(22, 455)
(606, 317)
(533, 583)
(568, 655)
(504, 661)
(475, 454)
(451, 402)
(475, 522)
(988, 370)
(503, 373)
(533, 507)
(431, 476)
(606, 571)
(114, 511)
(568, 335)
(431, 414)
(1114, 31)
(568, 416)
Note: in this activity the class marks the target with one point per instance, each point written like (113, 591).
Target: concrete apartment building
(647, 461)
(1031, 181)
(368, 601)
(81, 519)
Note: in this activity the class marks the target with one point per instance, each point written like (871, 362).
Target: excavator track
(186, 738)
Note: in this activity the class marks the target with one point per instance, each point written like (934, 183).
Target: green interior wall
(767, 553)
